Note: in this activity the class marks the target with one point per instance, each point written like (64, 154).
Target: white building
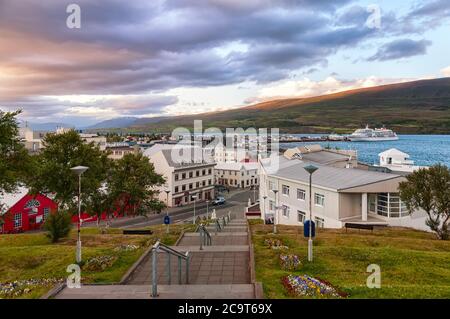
(339, 195)
(189, 176)
(32, 140)
(239, 175)
(397, 161)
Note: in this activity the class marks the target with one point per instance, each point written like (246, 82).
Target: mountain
(43, 126)
(114, 123)
(411, 107)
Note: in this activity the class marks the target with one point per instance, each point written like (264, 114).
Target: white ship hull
(372, 139)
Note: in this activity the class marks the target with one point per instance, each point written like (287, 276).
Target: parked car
(219, 201)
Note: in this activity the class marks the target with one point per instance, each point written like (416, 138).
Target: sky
(172, 57)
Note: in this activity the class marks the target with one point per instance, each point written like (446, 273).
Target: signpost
(167, 222)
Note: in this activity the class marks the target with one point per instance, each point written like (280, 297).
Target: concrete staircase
(222, 270)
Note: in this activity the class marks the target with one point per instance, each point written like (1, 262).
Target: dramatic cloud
(399, 49)
(308, 88)
(140, 50)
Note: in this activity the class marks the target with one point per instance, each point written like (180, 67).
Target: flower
(99, 263)
(20, 287)
(275, 243)
(290, 261)
(304, 285)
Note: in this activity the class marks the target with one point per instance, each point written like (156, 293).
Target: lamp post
(79, 170)
(264, 206)
(167, 207)
(194, 197)
(207, 209)
(275, 191)
(310, 169)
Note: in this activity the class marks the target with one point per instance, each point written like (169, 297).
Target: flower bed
(275, 243)
(18, 288)
(99, 263)
(290, 262)
(307, 286)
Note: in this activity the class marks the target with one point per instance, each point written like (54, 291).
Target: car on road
(219, 201)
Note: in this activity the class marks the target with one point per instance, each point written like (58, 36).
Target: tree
(99, 202)
(429, 189)
(134, 182)
(53, 174)
(58, 225)
(14, 159)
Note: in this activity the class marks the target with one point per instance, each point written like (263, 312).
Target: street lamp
(167, 207)
(194, 197)
(264, 206)
(310, 169)
(79, 170)
(275, 191)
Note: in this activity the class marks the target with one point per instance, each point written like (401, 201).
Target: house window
(197, 173)
(319, 199)
(183, 187)
(197, 184)
(285, 211)
(191, 174)
(46, 212)
(203, 172)
(271, 205)
(183, 175)
(285, 190)
(176, 189)
(209, 171)
(320, 222)
(17, 220)
(301, 216)
(190, 186)
(271, 185)
(301, 194)
(176, 177)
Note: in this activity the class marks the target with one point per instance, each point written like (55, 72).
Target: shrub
(58, 225)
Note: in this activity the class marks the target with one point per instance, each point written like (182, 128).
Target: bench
(137, 232)
(358, 226)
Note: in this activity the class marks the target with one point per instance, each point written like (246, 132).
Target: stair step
(227, 291)
(219, 248)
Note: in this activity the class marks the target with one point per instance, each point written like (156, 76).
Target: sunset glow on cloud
(152, 58)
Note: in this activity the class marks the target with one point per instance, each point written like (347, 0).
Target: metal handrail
(205, 237)
(170, 251)
(218, 227)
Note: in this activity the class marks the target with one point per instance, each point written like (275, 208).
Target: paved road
(236, 200)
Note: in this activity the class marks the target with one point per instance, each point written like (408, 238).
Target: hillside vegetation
(414, 107)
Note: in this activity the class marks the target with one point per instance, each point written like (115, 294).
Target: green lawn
(413, 263)
(33, 256)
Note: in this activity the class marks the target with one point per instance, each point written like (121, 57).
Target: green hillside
(412, 107)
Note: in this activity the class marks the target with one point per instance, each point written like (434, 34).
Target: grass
(413, 263)
(33, 256)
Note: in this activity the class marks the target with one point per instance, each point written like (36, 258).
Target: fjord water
(424, 150)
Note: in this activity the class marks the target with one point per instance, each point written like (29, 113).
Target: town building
(20, 211)
(397, 161)
(119, 150)
(189, 173)
(240, 175)
(340, 194)
(32, 140)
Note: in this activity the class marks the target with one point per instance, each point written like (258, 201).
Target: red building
(24, 212)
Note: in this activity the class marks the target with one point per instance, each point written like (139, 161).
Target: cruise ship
(372, 135)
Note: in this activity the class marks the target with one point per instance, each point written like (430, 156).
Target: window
(285, 211)
(301, 216)
(183, 176)
(190, 186)
(197, 184)
(203, 172)
(271, 205)
(183, 187)
(271, 185)
(17, 220)
(209, 182)
(285, 190)
(176, 177)
(197, 173)
(320, 222)
(176, 189)
(46, 212)
(389, 205)
(191, 174)
(209, 171)
(301, 194)
(319, 199)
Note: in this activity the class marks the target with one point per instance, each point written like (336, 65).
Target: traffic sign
(166, 220)
(306, 228)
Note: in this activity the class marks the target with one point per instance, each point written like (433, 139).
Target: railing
(218, 227)
(158, 246)
(205, 237)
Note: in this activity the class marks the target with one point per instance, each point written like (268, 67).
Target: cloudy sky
(168, 57)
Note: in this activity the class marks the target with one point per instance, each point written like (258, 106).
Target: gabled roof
(8, 200)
